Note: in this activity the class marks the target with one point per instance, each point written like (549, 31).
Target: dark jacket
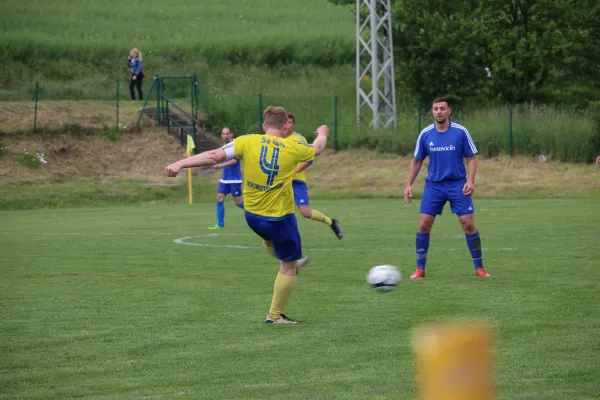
(135, 65)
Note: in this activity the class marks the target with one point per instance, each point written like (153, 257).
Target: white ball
(384, 278)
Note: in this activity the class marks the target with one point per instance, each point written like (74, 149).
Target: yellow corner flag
(190, 145)
(189, 149)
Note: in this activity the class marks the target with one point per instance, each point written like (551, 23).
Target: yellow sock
(319, 216)
(284, 284)
(269, 248)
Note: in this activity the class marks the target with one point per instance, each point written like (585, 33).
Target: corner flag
(190, 145)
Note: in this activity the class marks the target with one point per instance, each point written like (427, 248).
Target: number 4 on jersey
(271, 168)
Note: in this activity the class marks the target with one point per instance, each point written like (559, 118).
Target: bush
(28, 160)
(112, 133)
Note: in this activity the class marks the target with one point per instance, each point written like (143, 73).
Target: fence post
(260, 113)
(158, 92)
(335, 124)
(118, 127)
(193, 94)
(195, 113)
(510, 129)
(419, 116)
(167, 116)
(203, 100)
(37, 88)
(192, 80)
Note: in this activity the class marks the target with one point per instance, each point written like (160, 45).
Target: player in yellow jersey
(301, 189)
(269, 162)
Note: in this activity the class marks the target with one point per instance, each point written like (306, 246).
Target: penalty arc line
(185, 241)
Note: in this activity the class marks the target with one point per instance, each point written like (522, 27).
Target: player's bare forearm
(321, 140)
(415, 167)
(226, 164)
(204, 159)
(471, 169)
(302, 166)
(319, 144)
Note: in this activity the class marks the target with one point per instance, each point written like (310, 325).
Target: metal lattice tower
(375, 64)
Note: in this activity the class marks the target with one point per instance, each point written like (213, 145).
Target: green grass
(101, 303)
(27, 195)
(346, 175)
(264, 32)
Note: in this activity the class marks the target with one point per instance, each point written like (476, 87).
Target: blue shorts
(436, 194)
(300, 193)
(282, 232)
(234, 188)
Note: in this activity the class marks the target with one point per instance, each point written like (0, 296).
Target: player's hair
(227, 127)
(440, 100)
(137, 52)
(292, 117)
(275, 117)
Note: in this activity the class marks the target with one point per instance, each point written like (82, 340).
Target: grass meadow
(296, 54)
(264, 32)
(143, 302)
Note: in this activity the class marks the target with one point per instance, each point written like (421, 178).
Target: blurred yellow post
(189, 149)
(454, 362)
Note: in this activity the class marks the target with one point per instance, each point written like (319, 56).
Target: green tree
(584, 74)
(438, 48)
(512, 50)
(535, 47)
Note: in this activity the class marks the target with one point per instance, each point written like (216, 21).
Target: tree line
(519, 51)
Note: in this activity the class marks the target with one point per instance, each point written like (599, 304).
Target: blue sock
(241, 205)
(220, 213)
(422, 247)
(474, 244)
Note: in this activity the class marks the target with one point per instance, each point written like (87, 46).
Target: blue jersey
(446, 151)
(232, 173)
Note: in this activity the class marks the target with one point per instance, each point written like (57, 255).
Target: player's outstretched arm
(225, 164)
(415, 167)
(321, 140)
(204, 159)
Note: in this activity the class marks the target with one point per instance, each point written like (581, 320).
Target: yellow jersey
(300, 176)
(269, 164)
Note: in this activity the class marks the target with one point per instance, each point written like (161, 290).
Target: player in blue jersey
(231, 182)
(446, 143)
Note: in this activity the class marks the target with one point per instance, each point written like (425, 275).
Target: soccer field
(145, 302)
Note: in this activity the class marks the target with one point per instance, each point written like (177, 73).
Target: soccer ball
(384, 278)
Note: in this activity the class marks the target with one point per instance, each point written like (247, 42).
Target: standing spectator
(134, 61)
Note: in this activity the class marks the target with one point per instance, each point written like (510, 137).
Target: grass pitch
(107, 303)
